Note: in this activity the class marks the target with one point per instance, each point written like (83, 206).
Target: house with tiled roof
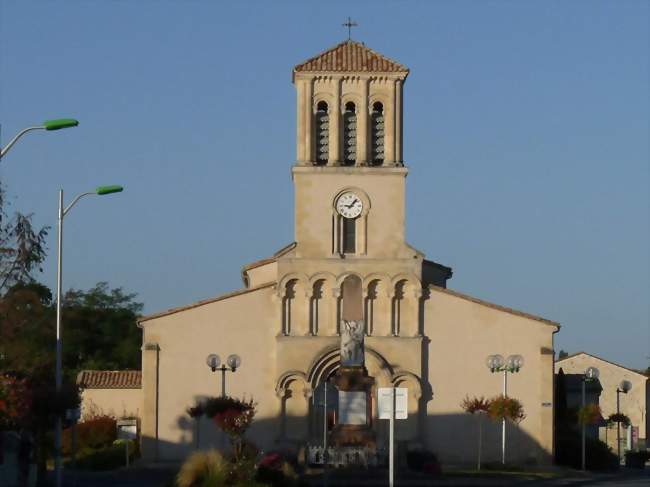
(633, 402)
(117, 393)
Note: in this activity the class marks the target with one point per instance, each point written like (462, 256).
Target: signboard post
(392, 404)
(127, 429)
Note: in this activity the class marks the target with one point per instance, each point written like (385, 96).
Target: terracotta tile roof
(110, 379)
(351, 56)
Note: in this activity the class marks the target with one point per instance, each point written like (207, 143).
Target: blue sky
(525, 129)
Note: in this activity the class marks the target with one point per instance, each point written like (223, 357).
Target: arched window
(398, 301)
(315, 305)
(349, 134)
(348, 235)
(287, 307)
(322, 124)
(377, 134)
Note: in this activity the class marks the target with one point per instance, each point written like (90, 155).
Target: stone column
(308, 121)
(389, 120)
(300, 121)
(150, 397)
(326, 312)
(335, 125)
(300, 310)
(409, 310)
(362, 125)
(398, 122)
(382, 319)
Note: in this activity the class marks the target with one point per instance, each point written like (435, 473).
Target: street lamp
(57, 124)
(63, 211)
(233, 362)
(625, 386)
(591, 374)
(512, 364)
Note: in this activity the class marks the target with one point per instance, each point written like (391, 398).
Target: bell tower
(349, 102)
(349, 174)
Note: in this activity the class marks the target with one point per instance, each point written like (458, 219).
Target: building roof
(495, 306)
(110, 379)
(350, 56)
(557, 362)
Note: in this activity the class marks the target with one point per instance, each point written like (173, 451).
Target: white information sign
(352, 407)
(385, 402)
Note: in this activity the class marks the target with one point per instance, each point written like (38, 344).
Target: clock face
(349, 205)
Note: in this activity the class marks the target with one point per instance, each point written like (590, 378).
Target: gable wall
(633, 404)
(462, 334)
(242, 324)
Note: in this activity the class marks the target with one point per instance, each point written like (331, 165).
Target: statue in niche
(352, 351)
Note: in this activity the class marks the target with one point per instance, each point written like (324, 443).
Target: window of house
(377, 134)
(322, 124)
(349, 134)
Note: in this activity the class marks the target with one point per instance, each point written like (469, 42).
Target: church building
(349, 244)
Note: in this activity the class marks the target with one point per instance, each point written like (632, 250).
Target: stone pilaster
(335, 124)
(150, 407)
(363, 116)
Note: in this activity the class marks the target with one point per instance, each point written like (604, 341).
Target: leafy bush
(233, 416)
(275, 471)
(589, 414)
(91, 435)
(636, 459)
(204, 469)
(619, 418)
(502, 407)
(106, 458)
(15, 402)
(475, 405)
(423, 461)
(568, 452)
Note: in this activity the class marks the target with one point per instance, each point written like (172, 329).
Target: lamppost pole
(624, 387)
(512, 364)
(618, 424)
(503, 421)
(58, 124)
(102, 190)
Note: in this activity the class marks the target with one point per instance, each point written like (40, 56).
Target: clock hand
(352, 204)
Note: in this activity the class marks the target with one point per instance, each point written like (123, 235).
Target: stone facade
(285, 323)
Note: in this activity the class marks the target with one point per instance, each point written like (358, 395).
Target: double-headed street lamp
(58, 124)
(625, 386)
(512, 364)
(233, 362)
(63, 211)
(591, 374)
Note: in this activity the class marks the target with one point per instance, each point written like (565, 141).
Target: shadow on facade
(452, 437)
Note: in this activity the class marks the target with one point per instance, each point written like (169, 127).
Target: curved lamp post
(57, 124)
(591, 374)
(232, 364)
(63, 211)
(512, 364)
(625, 386)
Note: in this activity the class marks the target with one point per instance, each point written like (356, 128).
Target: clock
(349, 205)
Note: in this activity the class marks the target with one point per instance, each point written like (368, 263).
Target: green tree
(22, 247)
(101, 329)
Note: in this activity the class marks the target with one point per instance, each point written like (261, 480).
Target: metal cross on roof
(349, 24)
